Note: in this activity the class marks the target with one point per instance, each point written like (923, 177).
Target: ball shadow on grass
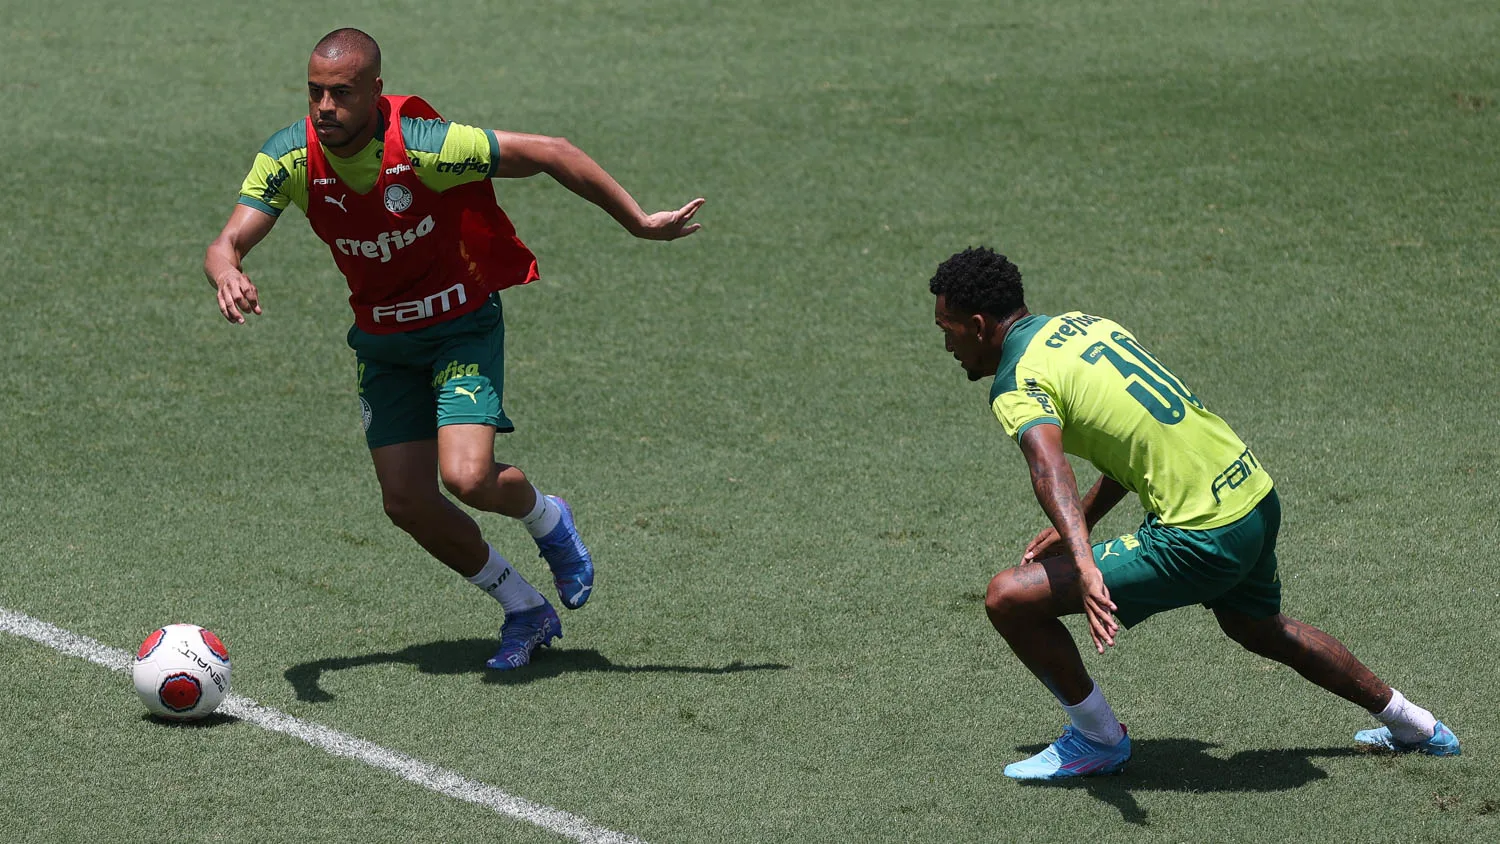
(207, 722)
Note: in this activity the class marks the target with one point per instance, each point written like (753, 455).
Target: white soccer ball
(181, 672)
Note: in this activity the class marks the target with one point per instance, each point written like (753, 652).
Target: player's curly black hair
(979, 280)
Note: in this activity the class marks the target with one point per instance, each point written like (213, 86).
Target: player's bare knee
(510, 478)
(404, 511)
(467, 481)
(1005, 600)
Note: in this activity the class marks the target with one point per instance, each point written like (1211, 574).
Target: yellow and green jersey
(1121, 410)
(443, 155)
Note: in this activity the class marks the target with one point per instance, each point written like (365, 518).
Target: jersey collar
(1017, 339)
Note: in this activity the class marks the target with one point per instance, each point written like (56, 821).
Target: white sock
(543, 517)
(1093, 717)
(1409, 723)
(506, 585)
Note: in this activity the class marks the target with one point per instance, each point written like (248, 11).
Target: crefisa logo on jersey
(1034, 390)
(397, 198)
(458, 168)
(381, 246)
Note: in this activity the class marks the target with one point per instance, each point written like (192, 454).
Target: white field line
(429, 776)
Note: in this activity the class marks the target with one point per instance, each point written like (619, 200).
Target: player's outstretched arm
(1057, 491)
(222, 264)
(527, 155)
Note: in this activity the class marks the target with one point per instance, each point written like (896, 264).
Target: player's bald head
(343, 90)
(352, 43)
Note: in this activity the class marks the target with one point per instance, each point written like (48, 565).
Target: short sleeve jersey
(1126, 413)
(443, 155)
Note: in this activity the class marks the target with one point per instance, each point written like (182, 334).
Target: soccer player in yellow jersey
(404, 202)
(1083, 385)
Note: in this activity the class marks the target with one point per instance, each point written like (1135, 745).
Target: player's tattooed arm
(1056, 490)
(1097, 502)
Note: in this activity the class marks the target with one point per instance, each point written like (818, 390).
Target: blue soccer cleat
(1072, 755)
(1442, 743)
(522, 633)
(572, 568)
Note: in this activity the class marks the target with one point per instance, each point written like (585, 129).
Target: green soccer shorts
(414, 382)
(1160, 567)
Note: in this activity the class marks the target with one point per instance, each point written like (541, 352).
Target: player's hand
(237, 296)
(1046, 544)
(1097, 607)
(670, 225)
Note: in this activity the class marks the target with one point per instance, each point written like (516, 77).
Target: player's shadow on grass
(1185, 765)
(467, 656)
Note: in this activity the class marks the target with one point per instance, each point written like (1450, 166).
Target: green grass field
(794, 497)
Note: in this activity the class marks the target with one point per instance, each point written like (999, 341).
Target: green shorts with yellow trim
(414, 382)
(1160, 567)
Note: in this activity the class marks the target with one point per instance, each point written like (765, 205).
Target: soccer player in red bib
(404, 201)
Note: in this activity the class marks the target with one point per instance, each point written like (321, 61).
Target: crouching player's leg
(1250, 614)
(1024, 604)
(1155, 569)
(1325, 661)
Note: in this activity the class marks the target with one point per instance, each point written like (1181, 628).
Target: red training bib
(413, 257)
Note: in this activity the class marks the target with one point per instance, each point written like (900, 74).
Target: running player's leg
(1024, 604)
(401, 432)
(468, 381)
(411, 498)
(466, 463)
(413, 502)
(469, 470)
(399, 412)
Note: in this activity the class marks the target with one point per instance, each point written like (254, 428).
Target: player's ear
(983, 324)
(379, 87)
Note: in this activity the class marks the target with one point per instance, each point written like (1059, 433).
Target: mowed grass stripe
(429, 776)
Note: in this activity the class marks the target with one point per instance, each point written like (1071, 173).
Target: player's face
(963, 337)
(342, 98)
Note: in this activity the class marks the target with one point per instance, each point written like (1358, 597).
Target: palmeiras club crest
(397, 198)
